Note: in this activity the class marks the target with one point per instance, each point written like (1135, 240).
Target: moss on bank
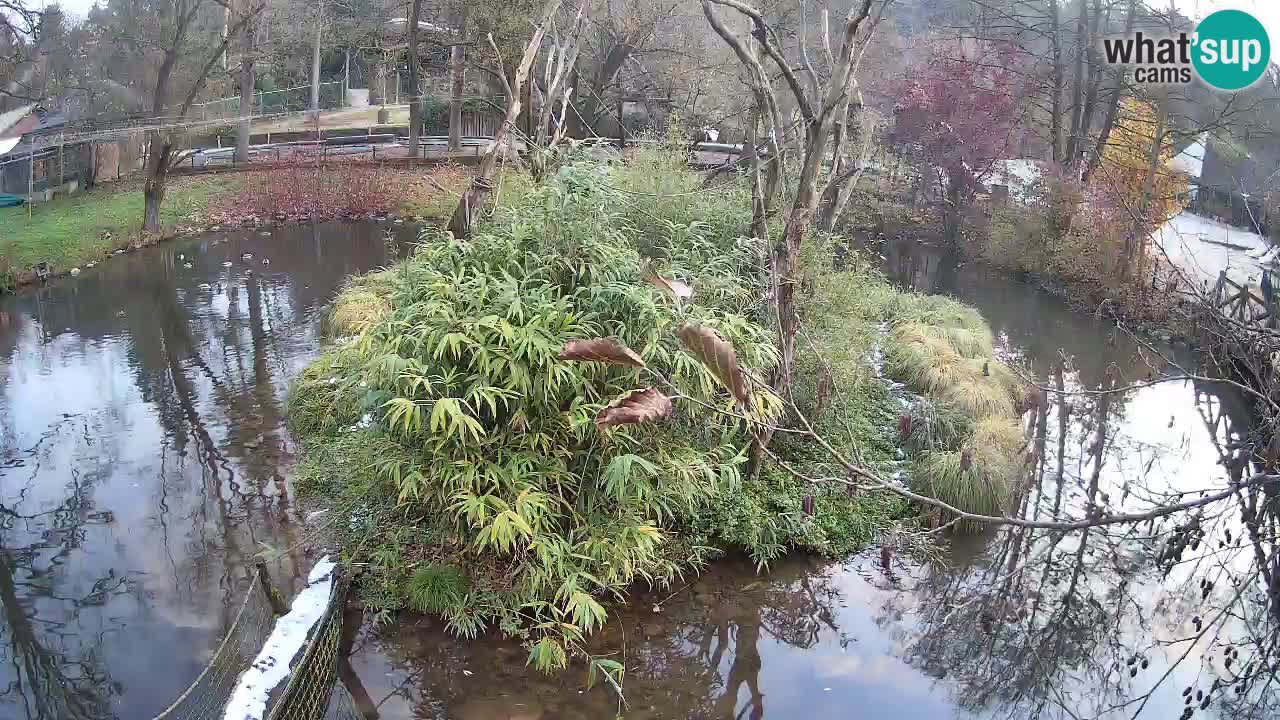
(460, 452)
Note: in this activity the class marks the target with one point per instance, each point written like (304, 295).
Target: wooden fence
(1240, 302)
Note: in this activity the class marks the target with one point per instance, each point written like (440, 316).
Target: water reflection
(141, 456)
(1018, 623)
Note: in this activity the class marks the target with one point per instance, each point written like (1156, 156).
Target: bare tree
(821, 104)
(175, 38)
(623, 31)
(553, 92)
(477, 197)
(19, 28)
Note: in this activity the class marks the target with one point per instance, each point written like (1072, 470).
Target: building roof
(1191, 159)
(11, 118)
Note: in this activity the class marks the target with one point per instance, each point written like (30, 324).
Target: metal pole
(31, 178)
(622, 140)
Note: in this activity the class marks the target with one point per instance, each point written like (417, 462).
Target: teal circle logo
(1232, 50)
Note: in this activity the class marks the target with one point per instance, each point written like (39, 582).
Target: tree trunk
(593, 102)
(834, 200)
(315, 60)
(951, 208)
(1058, 82)
(157, 174)
(1113, 104)
(415, 99)
(1094, 81)
(759, 206)
(844, 179)
(1078, 84)
(457, 58)
(1135, 241)
(378, 82)
(247, 82)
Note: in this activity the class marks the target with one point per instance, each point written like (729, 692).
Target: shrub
(488, 436)
(299, 192)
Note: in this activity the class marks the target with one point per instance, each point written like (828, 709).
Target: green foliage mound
(465, 457)
(523, 512)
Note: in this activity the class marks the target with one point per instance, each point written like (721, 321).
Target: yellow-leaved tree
(1147, 190)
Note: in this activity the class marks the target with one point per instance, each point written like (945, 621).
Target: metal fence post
(31, 178)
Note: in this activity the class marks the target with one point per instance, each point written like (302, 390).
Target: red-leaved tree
(956, 115)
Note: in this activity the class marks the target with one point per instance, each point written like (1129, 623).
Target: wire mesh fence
(311, 682)
(272, 102)
(310, 692)
(207, 695)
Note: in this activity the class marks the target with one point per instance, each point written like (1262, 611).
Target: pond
(143, 463)
(142, 457)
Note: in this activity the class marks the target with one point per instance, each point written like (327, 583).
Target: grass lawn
(80, 228)
(77, 229)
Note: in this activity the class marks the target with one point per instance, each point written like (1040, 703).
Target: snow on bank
(1203, 248)
(271, 667)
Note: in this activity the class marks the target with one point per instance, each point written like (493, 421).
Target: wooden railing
(1239, 301)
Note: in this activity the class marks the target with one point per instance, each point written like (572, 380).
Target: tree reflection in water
(701, 656)
(1115, 621)
(55, 671)
(155, 382)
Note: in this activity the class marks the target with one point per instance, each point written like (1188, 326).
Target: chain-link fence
(311, 683)
(311, 691)
(272, 102)
(207, 695)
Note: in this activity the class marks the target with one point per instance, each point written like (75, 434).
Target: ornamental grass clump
(964, 434)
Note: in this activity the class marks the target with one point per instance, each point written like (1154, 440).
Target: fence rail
(1239, 302)
(272, 102)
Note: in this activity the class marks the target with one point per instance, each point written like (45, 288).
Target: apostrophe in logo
(1231, 50)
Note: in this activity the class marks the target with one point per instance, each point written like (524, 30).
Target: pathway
(1204, 248)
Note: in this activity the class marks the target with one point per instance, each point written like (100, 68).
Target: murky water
(1032, 624)
(141, 458)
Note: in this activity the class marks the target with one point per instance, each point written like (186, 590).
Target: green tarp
(10, 200)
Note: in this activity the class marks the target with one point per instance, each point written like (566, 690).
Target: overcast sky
(1268, 11)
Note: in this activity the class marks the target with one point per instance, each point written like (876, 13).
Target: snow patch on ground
(1200, 247)
(271, 667)
(1019, 175)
